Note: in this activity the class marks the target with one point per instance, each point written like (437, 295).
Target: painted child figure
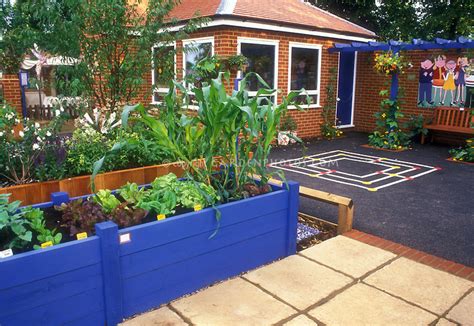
(460, 79)
(425, 82)
(449, 85)
(438, 80)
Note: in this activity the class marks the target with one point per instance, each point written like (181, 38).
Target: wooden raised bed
(40, 192)
(101, 281)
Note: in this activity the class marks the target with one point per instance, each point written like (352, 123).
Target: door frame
(351, 125)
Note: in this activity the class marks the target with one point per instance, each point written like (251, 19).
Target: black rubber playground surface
(416, 197)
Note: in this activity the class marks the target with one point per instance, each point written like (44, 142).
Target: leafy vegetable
(107, 200)
(81, 216)
(131, 193)
(125, 216)
(13, 225)
(38, 224)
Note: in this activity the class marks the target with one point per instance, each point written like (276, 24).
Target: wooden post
(111, 271)
(344, 219)
(293, 207)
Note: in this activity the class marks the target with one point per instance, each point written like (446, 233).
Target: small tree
(112, 39)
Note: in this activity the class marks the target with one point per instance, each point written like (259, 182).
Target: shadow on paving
(432, 213)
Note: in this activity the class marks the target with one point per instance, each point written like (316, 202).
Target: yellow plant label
(47, 244)
(197, 208)
(160, 217)
(82, 235)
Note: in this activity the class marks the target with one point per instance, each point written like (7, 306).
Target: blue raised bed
(99, 281)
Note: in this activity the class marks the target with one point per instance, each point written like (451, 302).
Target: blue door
(345, 89)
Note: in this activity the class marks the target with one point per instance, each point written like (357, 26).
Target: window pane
(303, 99)
(196, 52)
(163, 70)
(261, 61)
(304, 69)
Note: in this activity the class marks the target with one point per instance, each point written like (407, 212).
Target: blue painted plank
(144, 236)
(59, 287)
(96, 318)
(38, 264)
(292, 217)
(195, 245)
(59, 312)
(112, 276)
(152, 289)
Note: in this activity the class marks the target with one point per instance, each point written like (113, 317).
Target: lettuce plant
(107, 200)
(81, 216)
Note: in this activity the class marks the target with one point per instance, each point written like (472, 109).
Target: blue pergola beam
(416, 44)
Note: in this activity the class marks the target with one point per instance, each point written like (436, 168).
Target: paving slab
(430, 288)
(234, 302)
(463, 312)
(445, 322)
(364, 305)
(301, 320)
(349, 256)
(160, 317)
(298, 281)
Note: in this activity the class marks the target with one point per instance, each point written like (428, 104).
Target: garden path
(341, 281)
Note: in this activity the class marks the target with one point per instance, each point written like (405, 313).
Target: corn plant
(230, 126)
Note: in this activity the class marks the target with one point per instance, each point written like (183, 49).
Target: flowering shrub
(25, 149)
(388, 134)
(389, 63)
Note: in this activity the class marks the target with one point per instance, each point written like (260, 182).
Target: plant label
(47, 244)
(197, 208)
(160, 217)
(6, 253)
(82, 235)
(124, 238)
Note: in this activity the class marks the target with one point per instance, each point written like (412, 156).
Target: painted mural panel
(446, 81)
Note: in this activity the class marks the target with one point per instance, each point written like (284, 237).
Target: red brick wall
(225, 44)
(369, 84)
(11, 91)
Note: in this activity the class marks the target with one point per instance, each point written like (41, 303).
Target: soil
(327, 231)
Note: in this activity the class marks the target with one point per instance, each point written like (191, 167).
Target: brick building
(287, 42)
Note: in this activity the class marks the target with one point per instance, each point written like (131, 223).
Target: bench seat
(452, 120)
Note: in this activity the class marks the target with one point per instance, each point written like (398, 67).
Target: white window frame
(261, 41)
(311, 46)
(194, 41)
(160, 90)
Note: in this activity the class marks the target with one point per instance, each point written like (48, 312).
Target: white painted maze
(364, 171)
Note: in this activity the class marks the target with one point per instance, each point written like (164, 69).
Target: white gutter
(277, 28)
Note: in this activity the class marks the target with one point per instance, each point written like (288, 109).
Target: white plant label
(124, 238)
(6, 253)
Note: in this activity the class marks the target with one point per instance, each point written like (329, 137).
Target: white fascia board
(271, 27)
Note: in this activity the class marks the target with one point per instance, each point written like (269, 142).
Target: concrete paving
(339, 282)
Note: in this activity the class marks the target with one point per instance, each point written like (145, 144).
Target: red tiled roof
(284, 12)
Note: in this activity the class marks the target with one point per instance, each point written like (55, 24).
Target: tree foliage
(112, 38)
(406, 19)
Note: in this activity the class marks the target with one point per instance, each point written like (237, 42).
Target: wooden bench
(345, 206)
(452, 120)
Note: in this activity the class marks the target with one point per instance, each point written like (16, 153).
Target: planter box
(99, 280)
(40, 192)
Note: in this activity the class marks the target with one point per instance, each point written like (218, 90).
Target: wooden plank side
(17, 270)
(152, 289)
(60, 287)
(324, 196)
(199, 244)
(175, 228)
(60, 312)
